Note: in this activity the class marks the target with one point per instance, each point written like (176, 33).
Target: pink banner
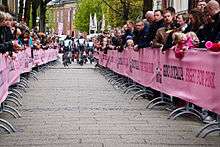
(21, 62)
(3, 79)
(195, 78)
(13, 69)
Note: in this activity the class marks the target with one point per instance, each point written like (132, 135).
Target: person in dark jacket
(213, 9)
(140, 35)
(157, 24)
(129, 31)
(6, 43)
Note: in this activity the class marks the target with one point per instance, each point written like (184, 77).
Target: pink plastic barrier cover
(3, 79)
(195, 78)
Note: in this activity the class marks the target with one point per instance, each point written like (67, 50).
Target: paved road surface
(78, 108)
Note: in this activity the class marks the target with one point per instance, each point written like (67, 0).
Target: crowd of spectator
(165, 28)
(16, 36)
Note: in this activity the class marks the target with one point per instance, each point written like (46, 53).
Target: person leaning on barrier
(158, 23)
(6, 42)
(116, 41)
(149, 18)
(140, 35)
(213, 10)
(160, 40)
(128, 31)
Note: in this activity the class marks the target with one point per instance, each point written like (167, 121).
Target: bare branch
(111, 7)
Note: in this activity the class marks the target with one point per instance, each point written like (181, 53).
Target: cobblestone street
(76, 106)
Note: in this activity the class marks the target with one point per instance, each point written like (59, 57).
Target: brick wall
(64, 16)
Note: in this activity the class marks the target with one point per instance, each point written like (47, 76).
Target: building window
(157, 4)
(179, 5)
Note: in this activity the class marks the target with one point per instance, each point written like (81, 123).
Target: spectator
(201, 5)
(140, 35)
(182, 22)
(172, 11)
(213, 10)
(6, 43)
(129, 29)
(158, 23)
(149, 17)
(116, 41)
(196, 21)
(158, 15)
(162, 33)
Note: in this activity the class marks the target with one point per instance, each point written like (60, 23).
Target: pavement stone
(75, 106)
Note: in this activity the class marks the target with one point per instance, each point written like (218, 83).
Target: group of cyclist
(77, 49)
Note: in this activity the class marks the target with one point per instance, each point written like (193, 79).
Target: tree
(5, 3)
(43, 9)
(27, 10)
(147, 6)
(21, 7)
(82, 15)
(35, 5)
(50, 18)
(116, 11)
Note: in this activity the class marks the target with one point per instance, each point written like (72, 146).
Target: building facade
(179, 5)
(12, 6)
(64, 14)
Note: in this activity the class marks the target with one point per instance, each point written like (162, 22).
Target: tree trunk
(147, 6)
(27, 11)
(5, 3)
(21, 6)
(43, 9)
(126, 11)
(35, 5)
(42, 16)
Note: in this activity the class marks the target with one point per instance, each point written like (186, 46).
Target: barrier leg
(153, 101)
(131, 86)
(125, 85)
(15, 92)
(24, 84)
(160, 103)
(118, 80)
(20, 86)
(6, 123)
(12, 101)
(23, 79)
(188, 109)
(9, 112)
(175, 111)
(12, 109)
(211, 131)
(11, 97)
(142, 93)
(34, 77)
(213, 124)
(5, 128)
(134, 89)
(187, 112)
